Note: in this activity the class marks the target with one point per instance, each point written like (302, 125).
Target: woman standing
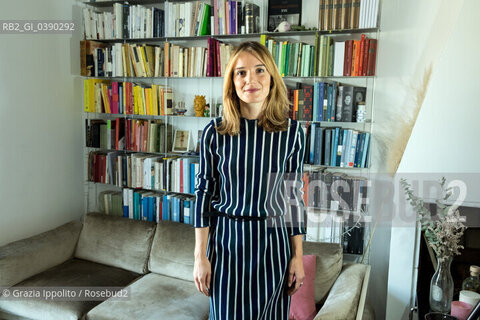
(248, 250)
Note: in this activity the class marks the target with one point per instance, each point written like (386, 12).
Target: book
(347, 104)
(252, 18)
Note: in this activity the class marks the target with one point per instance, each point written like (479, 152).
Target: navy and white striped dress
(244, 176)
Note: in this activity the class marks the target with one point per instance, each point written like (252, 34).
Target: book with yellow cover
(106, 98)
(150, 59)
(154, 100)
(143, 62)
(143, 106)
(148, 101)
(89, 93)
(135, 100)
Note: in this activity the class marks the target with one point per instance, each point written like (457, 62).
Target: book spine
(372, 54)
(347, 64)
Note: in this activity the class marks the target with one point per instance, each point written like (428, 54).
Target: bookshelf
(184, 89)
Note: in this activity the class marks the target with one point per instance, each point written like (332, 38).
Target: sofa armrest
(346, 299)
(22, 259)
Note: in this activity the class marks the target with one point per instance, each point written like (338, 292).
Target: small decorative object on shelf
(199, 105)
(206, 113)
(443, 234)
(284, 26)
(472, 283)
(180, 109)
(361, 112)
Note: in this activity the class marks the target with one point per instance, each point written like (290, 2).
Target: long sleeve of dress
(296, 216)
(206, 178)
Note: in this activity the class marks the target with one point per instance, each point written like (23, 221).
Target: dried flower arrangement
(444, 231)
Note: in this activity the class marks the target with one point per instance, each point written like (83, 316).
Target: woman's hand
(296, 274)
(202, 272)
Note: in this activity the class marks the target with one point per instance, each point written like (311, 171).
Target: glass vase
(441, 287)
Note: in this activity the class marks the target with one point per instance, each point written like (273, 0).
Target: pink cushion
(302, 304)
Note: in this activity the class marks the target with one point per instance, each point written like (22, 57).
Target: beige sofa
(154, 263)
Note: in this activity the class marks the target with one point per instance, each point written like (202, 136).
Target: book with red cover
(210, 57)
(295, 104)
(145, 135)
(347, 64)
(117, 132)
(360, 57)
(128, 122)
(114, 104)
(365, 57)
(307, 103)
(181, 175)
(218, 61)
(372, 53)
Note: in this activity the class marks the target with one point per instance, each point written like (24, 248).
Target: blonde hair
(273, 116)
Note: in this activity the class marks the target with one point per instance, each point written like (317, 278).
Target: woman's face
(251, 79)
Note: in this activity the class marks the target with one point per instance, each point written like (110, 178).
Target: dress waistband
(234, 217)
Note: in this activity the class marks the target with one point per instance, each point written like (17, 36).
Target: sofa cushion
(73, 273)
(116, 242)
(172, 250)
(9, 316)
(328, 265)
(343, 300)
(22, 259)
(154, 297)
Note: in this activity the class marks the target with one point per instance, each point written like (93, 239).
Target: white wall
(416, 34)
(41, 167)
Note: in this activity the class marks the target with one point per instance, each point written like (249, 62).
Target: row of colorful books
(129, 135)
(138, 22)
(336, 147)
(145, 171)
(193, 18)
(235, 17)
(153, 206)
(133, 60)
(348, 14)
(103, 96)
(147, 205)
(218, 54)
(332, 102)
(326, 57)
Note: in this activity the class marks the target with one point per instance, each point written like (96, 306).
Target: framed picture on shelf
(181, 141)
(284, 10)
